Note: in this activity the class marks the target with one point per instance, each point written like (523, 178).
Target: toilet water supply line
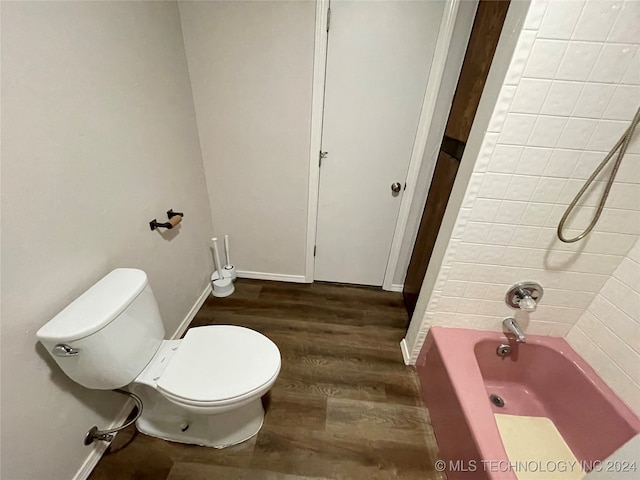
(622, 144)
(107, 435)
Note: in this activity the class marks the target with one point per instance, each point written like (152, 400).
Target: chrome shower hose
(620, 147)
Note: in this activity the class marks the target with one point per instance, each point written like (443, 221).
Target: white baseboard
(405, 352)
(192, 313)
(395, 287)
(99, 447)
(278, 277)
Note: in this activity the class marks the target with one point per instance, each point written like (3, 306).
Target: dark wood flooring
(344, 406)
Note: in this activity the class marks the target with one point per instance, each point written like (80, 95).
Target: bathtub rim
(469, 386)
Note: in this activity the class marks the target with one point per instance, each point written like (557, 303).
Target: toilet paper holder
(174, 219)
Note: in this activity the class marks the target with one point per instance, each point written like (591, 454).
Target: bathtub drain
(496, 400)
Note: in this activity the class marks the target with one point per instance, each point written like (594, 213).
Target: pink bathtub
(545, 377)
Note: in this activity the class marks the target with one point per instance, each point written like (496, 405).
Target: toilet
(203, 389)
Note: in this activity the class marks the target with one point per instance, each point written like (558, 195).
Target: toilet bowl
(203, 389)
(207, 388)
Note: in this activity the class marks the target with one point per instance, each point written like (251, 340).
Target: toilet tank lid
(96, 307)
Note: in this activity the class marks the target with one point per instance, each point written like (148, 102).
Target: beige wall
(98, 137)
(251, 66)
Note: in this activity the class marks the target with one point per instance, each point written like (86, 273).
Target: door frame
(317, 110)
(434, 81)
(419, 325)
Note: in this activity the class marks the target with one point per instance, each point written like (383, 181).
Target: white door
(378, 59)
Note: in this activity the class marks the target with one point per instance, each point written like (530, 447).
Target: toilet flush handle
(64, 350)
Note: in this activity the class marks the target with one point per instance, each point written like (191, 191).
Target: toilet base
(160, 418)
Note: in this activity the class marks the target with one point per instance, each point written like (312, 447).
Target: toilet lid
(220, 362)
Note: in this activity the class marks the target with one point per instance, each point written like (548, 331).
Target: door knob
(396, 187)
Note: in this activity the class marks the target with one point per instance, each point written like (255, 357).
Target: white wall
(251, 67)
(570, 90)
(98, 137)
(607, 334)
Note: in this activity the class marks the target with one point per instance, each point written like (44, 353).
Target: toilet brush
(221, 283)
(229, 269)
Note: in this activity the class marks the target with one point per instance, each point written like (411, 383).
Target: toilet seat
(218, 365)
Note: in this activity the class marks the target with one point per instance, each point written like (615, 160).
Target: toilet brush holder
(215, 276)
(221, 287)
(229, 271)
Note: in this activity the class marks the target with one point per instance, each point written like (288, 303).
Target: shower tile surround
(607, 334)
(570, 91)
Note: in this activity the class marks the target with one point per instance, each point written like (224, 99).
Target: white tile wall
(596, 20)
(572, 87)
(607, 334)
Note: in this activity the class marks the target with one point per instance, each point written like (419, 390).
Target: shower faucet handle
(525, 296)
(527, 303)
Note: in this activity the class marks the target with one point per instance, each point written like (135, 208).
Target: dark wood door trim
(483, 41)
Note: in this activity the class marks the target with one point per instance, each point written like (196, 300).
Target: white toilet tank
(106, 337)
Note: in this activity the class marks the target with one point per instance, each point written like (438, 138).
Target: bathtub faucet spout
(512, 326)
